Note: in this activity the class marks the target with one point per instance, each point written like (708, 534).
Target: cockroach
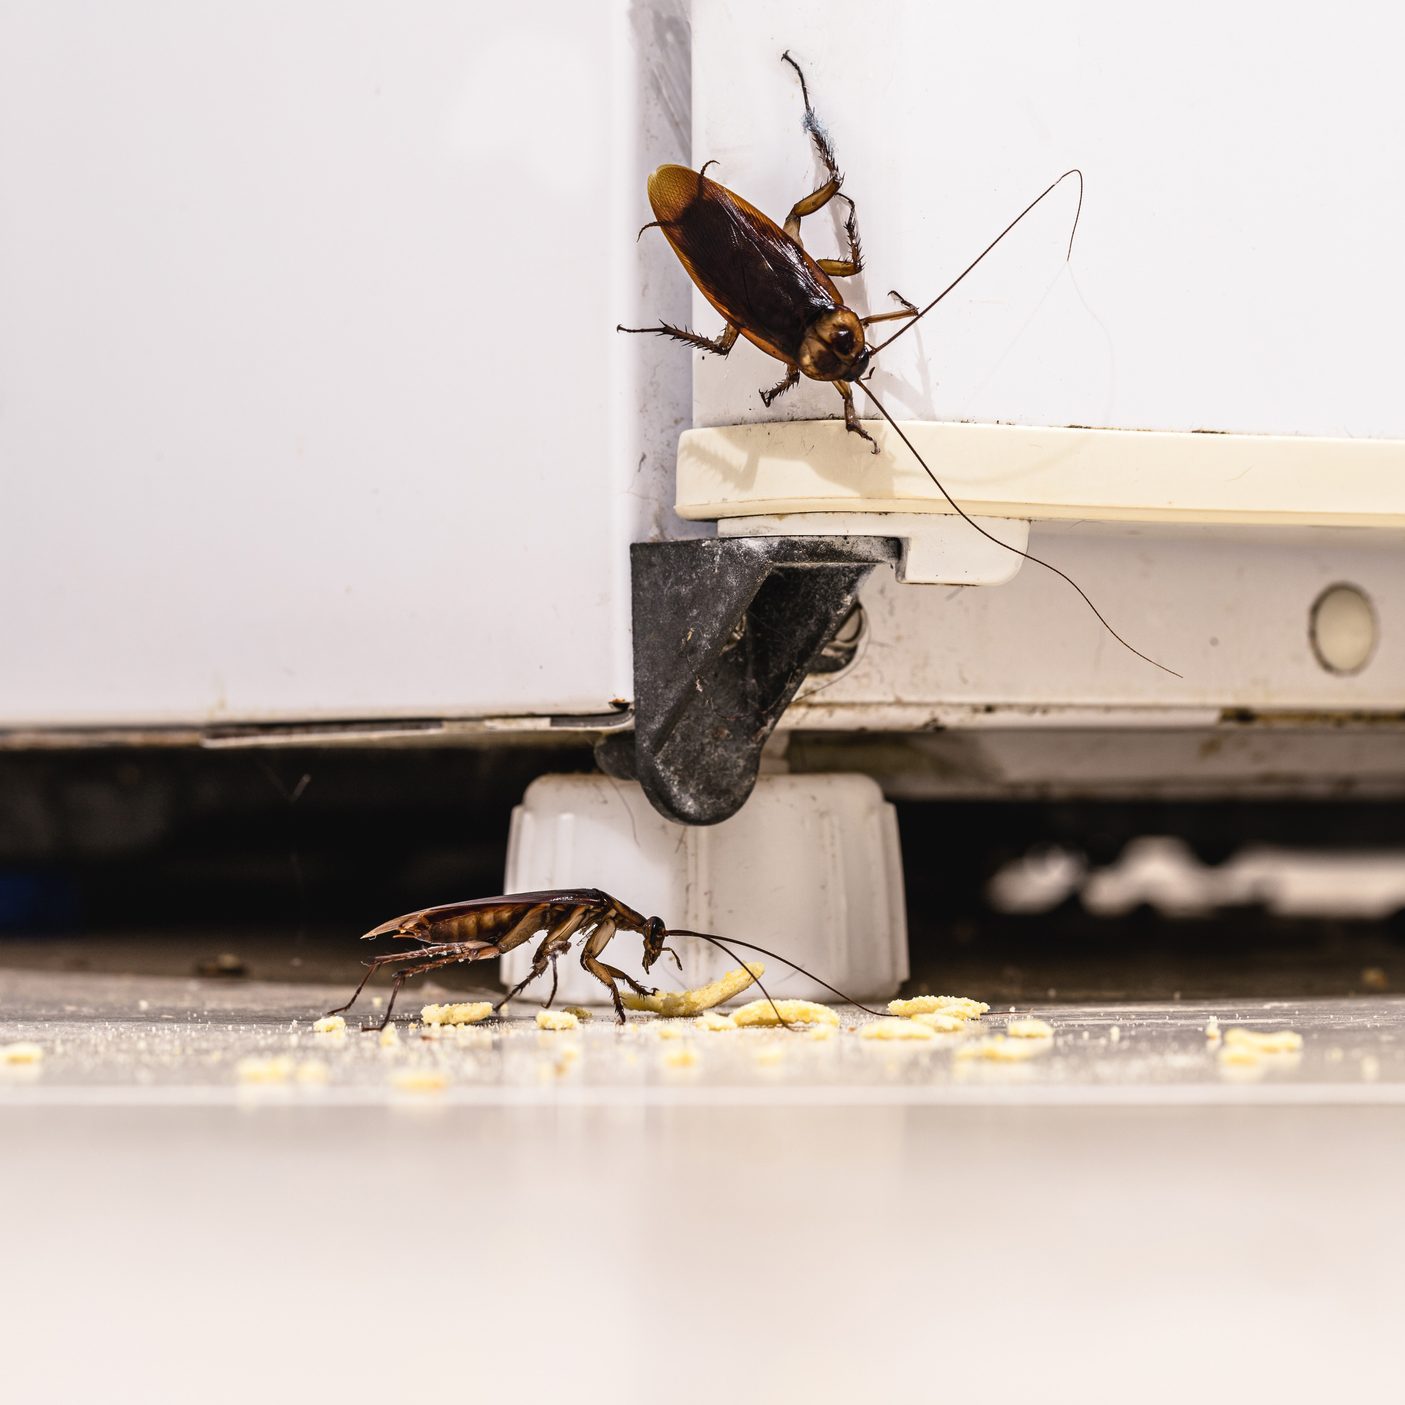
(770, 290)
(482, 928)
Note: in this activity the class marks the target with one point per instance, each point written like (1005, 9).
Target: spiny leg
(908, 309)
(792, 378)
(846, 268)
(376, 962)
(851, 418)
(718, 345)
(557, 940)
(478, 954)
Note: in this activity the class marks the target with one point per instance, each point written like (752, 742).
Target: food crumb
(711, 1020)
(1114, 1034)
(25, 1052)
(1370, 1068)
(961, 1006)
(255, 1069)
(999, 1048)
(664, 1030)
(821, 1031)
(1278, 1041)
(1030, 1029)
(673, 1003)
(771, 1054)
(330, 1024)
(465, 1012)
(580, 1012)
(557, 1019)
(389, 1037)
(897, 1029)
(941, 1022)
(420, 1080)
(684, 1056)
(312, 1071)
(1212, 1028)
(766, 1012)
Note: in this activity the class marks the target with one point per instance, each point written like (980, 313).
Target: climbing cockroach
(482, 928)
(758, 275)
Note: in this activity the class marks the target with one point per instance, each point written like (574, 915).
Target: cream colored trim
(1001, 470)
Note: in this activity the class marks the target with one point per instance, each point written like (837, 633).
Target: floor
(210, 1201)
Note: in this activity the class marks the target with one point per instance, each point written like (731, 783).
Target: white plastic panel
(311, 399)
(1238, 262)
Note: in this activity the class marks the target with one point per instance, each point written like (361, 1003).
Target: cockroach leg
(376, 962)
(792, 378)
(908, 309)
(557, 940)
(851, 418)
(402, 976)
(847, 268)
(720, 345)
(816, 200)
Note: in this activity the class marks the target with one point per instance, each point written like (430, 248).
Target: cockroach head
(833, 347)
(655, 934)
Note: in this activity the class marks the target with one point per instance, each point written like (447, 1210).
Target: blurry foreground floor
(485, 1217)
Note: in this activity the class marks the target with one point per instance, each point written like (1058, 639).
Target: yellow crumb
(1001, 1049)
(959, 1005)
(1278, 1041)
(711, 1020)
(557, 1019)
(941, 1022)
(330, 1024)
(694, 1002)
(1239, 1054)
(684, 1056)
(771, 1054)
(1212, 1028)
(466, 1012)
(25, 1052)
(579, 1011)
(389, 1037)
(275, 1069)
(312, 1071)
(1030, 1029)
(764, 1012)
(420, 1080)
(897, 1029)
(821, 1031)
(1370, 1068)
(1114, 1034)
(664, 1030)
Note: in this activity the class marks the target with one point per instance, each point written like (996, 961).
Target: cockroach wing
(496, 912)
(745, 264)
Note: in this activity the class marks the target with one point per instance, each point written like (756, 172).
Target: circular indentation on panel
(1343, 629)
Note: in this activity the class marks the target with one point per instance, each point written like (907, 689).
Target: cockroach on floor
(758, 275)
(482, 928)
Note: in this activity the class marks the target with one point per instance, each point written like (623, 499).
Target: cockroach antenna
(775, 956)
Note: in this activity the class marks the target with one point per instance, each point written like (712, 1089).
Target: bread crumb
(466, 1012)
(25, 1052)
(1370, 1068)
(961, 1006)
(764, 1012)
(1030, 1029)
(330, 1024)
(256, 1069)
(941, 1022)
(1239, 1054)
(580, 1012)
(711, 1020)
(1212, 1028)
(771, 1054)
(999, 1048)
(312, 1071)
(897, 1029)
(389, 1037)
(673, 1003)
(1278, 1041)
(1114, 1034)
(420, 1080)
(684, 1056)
(663, 1030)
(821, 1031)
(557, 1019)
